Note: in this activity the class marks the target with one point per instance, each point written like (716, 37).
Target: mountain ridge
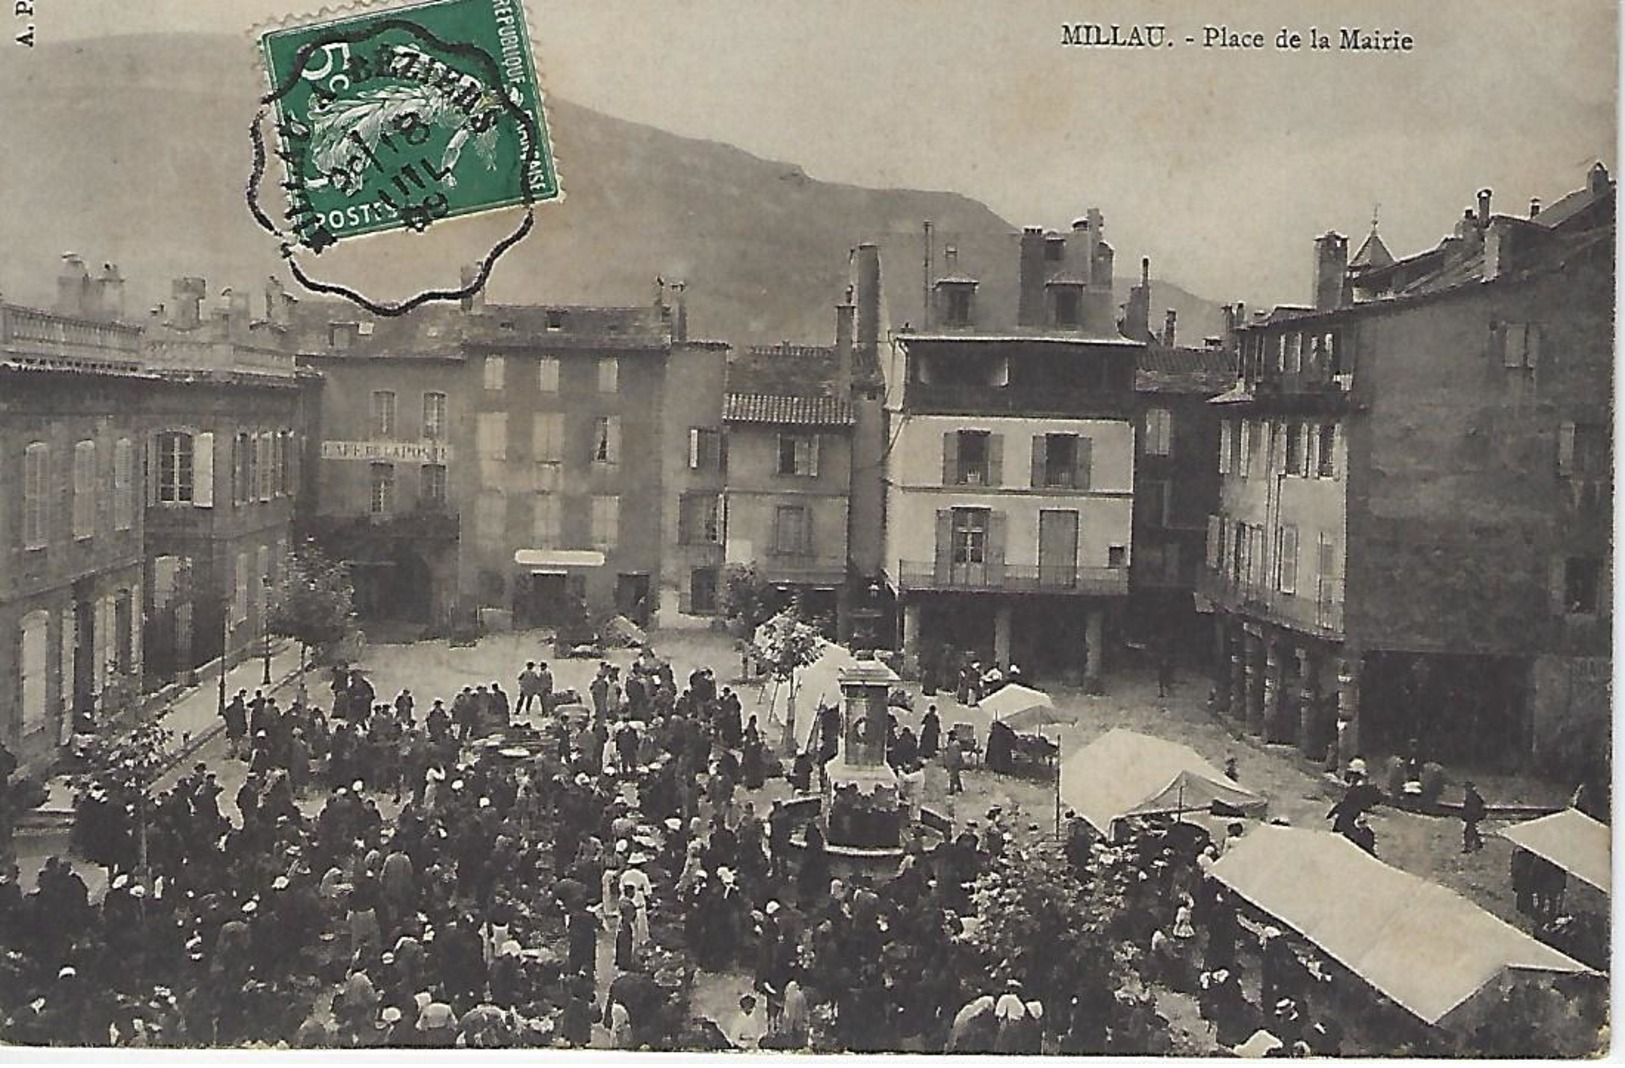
(135, 147)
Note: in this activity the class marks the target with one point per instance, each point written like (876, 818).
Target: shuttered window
(606, 522)
(1286, 559)
(123, 484)
(84, 489)
(175, 473)
(36, 495)
(792, 530)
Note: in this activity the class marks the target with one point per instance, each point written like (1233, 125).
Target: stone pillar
(1238, 673)
(1094, 647)
(1279, 694)
(1221, 666)
(911, 635)
(1309, 705)
(1253, 665)
(1348, 712)
(1002, 613)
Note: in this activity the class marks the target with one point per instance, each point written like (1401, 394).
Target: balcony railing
(1013, 578)
(1017, 400)
(40, 336)
(1316, 611)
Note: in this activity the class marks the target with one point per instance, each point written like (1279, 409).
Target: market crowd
(472, 914)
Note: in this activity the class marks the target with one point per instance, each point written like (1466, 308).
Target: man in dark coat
(1473, 811)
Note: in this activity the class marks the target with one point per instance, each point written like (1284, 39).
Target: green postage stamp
(396, 117)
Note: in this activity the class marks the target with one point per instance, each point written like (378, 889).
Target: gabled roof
(1373, 253)
(784, 410)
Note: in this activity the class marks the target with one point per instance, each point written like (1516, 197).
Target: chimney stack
(1169, 332)
(679, 329)
(1597, 180)
(72, 285)
(110, 293)
(1483, 208)
(475, 301)
(845, 313)
(276, 302)
(1030, 306)
(868, 308)
(188, 295)
(1331, 270)
(1137, 313)
(240, 312)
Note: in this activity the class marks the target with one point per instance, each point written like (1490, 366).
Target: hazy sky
(1220, 165)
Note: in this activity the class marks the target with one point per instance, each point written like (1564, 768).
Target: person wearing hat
(1473, 811)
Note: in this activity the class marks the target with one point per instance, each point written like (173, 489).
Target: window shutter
(1227, 432)
(203, 471)
(1288, 576)
(1040, 454)
(722, 451)
(614, 439)
(995, 459)
(151, 475)
(807, 542)
(1215, 537)
(693, 448)
(1083, 461)
(945, 543)
(1532, 339)
(1513, 336)
(685, 520)
(813, 455)
(950, 458)
(1565, 450)
(996, 525)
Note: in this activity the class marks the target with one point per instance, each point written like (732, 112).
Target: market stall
(1123, 773)
(1547, 851)
(1425, 948)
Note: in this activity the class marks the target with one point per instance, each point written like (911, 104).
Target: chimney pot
(1484, 208)
(1534, 207)
(1145, 270)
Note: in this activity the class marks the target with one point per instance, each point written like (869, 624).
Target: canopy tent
(817, 683)
(1426, 948)
(1123, 773)
(1570, 839)
(1022, 707)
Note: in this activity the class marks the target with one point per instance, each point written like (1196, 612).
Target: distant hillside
(135, 150)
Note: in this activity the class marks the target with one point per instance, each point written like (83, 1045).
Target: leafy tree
(781, 645)
(314, 604)
(110, 803)
(748, 600)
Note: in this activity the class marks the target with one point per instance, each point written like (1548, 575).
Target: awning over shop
(1426, 948)
(542, 559)
(1570, 839)
(1123, 773)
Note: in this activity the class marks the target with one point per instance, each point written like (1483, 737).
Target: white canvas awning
(1570, 839)
(543, 559)
(1123, 773)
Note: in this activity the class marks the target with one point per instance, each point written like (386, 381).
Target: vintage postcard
(1034, 528)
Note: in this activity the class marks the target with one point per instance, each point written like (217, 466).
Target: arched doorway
(406, 588)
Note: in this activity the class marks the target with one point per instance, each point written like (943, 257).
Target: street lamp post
(265, 630)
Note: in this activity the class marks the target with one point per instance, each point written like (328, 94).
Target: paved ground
(1425, 846)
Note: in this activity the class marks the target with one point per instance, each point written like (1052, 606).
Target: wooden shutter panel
(945, 543)
(685, 521)
(1512, 344)
(807, 542)
(950, 458)
(203, 471)
(1083, 462)
(1532, 339)
(1040, 454)
(813, 455)
(995, 459)
(996, 533)
(1565, 450)
(693, 449)
(614, 439)
(150, 475)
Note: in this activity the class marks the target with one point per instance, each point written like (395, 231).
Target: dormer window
(1055, 250)
(341, 336)
(956, 306)
(555, 320)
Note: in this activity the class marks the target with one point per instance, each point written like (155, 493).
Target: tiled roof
(1184, 370)
(786, 410)
(784, 370)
